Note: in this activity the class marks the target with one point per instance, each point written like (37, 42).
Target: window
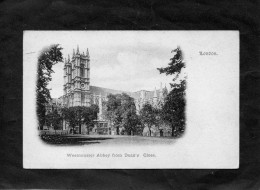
(81, 72)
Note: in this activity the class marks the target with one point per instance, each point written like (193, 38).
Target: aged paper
(116, 62)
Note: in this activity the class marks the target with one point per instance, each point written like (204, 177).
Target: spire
(68, 58)
(77, 49)
(73, 53)
(87, 53)
(65, 61)
(83, 53)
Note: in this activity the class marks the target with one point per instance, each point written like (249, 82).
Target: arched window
(81, 72)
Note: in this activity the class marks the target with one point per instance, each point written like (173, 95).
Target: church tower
(77, 79)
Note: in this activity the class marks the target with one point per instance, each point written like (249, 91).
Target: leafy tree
(89, 115)
(46, 60)
(173, 110)
(175, 66)
(113, 110)
(121, 112)
(148, 116)
(69, 115)
(79, 115)
(54, 119)
(130, 120)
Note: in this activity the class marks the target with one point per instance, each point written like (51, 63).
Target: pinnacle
(77, 49)
(87, 53)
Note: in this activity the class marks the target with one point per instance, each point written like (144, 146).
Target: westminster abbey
(77, 91)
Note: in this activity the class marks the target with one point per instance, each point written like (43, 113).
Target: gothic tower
(77, 79)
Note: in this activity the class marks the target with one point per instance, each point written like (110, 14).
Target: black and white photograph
(85, 111)
(130, 99)
(141, 94)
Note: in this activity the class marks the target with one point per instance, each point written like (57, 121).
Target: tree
(148, 116)
(113, 110)
(79, 115)
(121, 112)
(69, 115)
(173, 110)
(46, 60)
(89, 115)
(74, 115)
(54, 119)
(130, 120)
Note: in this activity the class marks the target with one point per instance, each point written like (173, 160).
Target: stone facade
(77, 91)
(76, 88)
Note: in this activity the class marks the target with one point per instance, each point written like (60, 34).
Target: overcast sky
(119, 60)
(123, 63)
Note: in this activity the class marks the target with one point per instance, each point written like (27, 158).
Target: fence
(54, 132)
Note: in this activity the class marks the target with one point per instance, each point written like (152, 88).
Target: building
(77, 91)
(76, 88)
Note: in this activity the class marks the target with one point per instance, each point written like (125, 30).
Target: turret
(65, 76)
(87, 54)
(73, 55)
(77, 49)
(65, 62)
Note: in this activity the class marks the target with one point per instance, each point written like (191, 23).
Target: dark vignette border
(16, 16)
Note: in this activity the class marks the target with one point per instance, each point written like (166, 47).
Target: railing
(54, 132)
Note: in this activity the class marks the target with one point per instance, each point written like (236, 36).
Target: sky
(126, 62)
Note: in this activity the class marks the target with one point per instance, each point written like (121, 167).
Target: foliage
(113, 110)
(46, 60)
(69, 115)
(148, 115)
(76, 116)
(54, 119)
(175, 66)
(173, 110)
(130, 120)
(89, 115)
(121, 112)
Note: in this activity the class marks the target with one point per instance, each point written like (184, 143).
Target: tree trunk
(80, 128)
(117, 130)
(150, 132)
(172, 130)
(88, 130)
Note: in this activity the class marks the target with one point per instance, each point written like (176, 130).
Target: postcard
(130, 99)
